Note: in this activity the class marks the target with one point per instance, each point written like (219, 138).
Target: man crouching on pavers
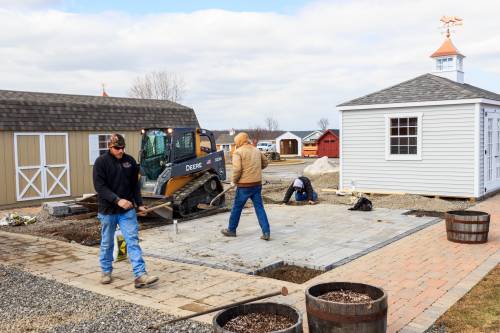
(248, 163)
(116, 183)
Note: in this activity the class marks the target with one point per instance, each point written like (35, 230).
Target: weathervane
(450, 21)
(104, 94)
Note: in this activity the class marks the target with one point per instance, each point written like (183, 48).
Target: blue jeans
(242, 195)
(303, 196)
(130, 230)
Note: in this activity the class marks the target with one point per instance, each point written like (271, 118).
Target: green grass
(478, 310)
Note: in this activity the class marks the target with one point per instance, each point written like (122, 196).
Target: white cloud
(242, 67)
(29, 4)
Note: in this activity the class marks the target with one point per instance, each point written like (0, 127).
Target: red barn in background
(328, 143)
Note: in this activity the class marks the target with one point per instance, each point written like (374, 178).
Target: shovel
(151, 209)
(211, 205)
(282, 292)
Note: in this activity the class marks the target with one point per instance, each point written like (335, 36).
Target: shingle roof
(225, 139)
(335, 131)
(301, 134)
(424, 88)
(33, 111)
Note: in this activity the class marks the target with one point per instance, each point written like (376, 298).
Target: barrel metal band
(468, 232)
(455, 221)
(345, 319)
(467, 242)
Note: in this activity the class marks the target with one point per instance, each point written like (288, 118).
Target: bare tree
(158, 85)
(323, 124)
(256, 134)
(271, 124)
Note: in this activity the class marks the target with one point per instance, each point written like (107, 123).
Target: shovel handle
(220, 194)
(164, 205)
(282, 292)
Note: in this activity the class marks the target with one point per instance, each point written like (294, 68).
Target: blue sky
(138, 7)
(242, 61)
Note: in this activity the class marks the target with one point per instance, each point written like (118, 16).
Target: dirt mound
(330, 181)
(417, 202)
(291, 273)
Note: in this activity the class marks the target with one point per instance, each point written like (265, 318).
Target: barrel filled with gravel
(467, 226)
(337, 307)
(259, 318)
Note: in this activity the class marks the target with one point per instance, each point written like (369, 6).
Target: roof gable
(225, 139)
(301, 134)
(329, 131)
(424, 88)
(314, 135)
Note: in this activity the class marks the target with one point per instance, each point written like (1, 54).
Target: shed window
(444, 64)
(98, 145)
(404, 137)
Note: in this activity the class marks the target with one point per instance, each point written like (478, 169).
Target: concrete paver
(423, 273)
(338, 236)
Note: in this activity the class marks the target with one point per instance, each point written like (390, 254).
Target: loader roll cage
(163, 146)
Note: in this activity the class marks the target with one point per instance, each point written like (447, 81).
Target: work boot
(228, 233)
(145, 280)
(265, 236)
(106, 278)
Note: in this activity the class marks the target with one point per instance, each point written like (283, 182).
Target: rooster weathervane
(450, 21)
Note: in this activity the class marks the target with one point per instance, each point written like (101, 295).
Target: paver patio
(423, 273)
(319, 237)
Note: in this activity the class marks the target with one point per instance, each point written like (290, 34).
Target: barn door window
(403, 137)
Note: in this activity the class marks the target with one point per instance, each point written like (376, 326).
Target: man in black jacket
(303, 191)
(116, 182)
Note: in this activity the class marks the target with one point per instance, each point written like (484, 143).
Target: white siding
(481, 150)
(447, 165)
(483, 133)
(289, 136)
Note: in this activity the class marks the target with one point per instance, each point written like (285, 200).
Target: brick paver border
(425, 320)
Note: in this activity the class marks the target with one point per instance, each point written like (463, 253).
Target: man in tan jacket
(248, 163)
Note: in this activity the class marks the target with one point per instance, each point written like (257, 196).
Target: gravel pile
(436, 329)
(33, 304)
(346, 296)
(258, 323)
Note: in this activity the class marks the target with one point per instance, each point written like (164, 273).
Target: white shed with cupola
(431, 135)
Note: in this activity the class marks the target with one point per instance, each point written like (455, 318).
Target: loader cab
(161, 148)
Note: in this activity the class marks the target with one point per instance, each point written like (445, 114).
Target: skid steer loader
(183, 167)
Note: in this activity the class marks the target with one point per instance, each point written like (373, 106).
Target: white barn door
(42, 165)
(492, 150)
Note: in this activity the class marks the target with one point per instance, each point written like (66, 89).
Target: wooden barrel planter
(467, 226)
(335, 317)
(221, 319)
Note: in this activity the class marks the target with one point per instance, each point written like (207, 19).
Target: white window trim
(398, 157)
(91, 149)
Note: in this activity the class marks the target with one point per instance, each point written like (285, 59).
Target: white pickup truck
(266, 146)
